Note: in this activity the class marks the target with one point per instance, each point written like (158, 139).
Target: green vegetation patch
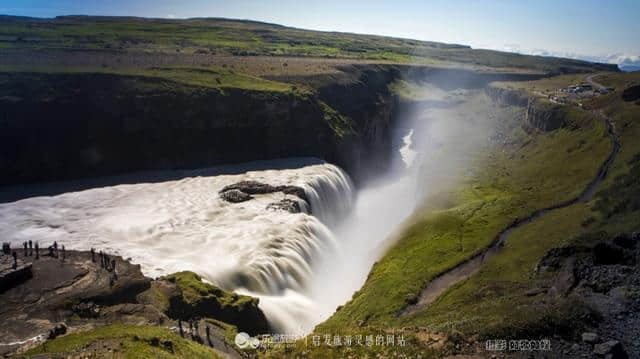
(124, 341)
(224, 37)
(341, 125)
(208, 77)
(195, 291)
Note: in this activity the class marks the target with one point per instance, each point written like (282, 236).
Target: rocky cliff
(66, 126)
(540, 114)
(506, 96)
(545, 116)
(76, 125)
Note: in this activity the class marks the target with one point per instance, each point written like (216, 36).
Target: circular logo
(242, 340)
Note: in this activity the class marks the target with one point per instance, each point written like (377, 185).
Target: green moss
(197, 299)
(195, 291)
(340, 124)
(124, 341)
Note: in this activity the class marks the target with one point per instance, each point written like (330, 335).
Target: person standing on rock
(55, 248)
(64, 253)
(26, 253)
(37, 251)
(30, 248)
(15, 260)
(93, 255)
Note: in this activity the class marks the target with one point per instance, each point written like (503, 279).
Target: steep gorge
(66, 126)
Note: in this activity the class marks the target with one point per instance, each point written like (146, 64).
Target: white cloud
(618, 58)
(171, 16)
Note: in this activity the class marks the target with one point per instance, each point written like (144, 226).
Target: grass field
(210, 40)
(123, 341)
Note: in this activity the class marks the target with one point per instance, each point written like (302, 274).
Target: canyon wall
(69, 126)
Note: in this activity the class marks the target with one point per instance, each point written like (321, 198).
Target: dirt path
(471, 266)
(594, 84)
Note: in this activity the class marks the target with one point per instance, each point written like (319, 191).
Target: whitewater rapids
(184, 225)
(301, 266)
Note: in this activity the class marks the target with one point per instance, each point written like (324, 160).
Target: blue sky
(597, 30)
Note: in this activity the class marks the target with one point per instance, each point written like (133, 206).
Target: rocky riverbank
(76, 292)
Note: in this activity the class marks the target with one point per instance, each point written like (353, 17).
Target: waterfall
(331, 195)
(183, 224)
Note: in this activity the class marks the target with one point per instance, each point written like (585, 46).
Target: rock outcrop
(10, 275)
(507, 96)
(185, 296)
(287, 205)
(255, 187)
(631, 93)
(605, 276)
(545, 116)
(235, 196)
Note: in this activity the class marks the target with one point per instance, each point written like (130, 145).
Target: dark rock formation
(631, 93)
(555, 257)
(545, 116)
(606, 279)
(627, 240)
(235, 196)
(248, 188)
(70, 292)
(286, 204)
(10, 276)
(68, 126)
(506, 96)
(610, 253)
(184, 296)
(612, 349)
(86, 310)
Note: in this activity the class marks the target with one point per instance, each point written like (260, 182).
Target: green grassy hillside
(196, 40)
(531, 170)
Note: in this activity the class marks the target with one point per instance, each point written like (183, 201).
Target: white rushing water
(184, 225)
(301, 266)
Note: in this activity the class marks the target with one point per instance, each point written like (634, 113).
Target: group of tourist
(106, 262)
(193, 330)
(30, 247)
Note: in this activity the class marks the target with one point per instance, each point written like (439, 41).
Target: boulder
(631, 93)
(235, 196)
(590, 338)
(626, 240)
(286, 204)
(185, 296)
(250, 187)
(255, 187)
(605, 253)
(612, 349)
